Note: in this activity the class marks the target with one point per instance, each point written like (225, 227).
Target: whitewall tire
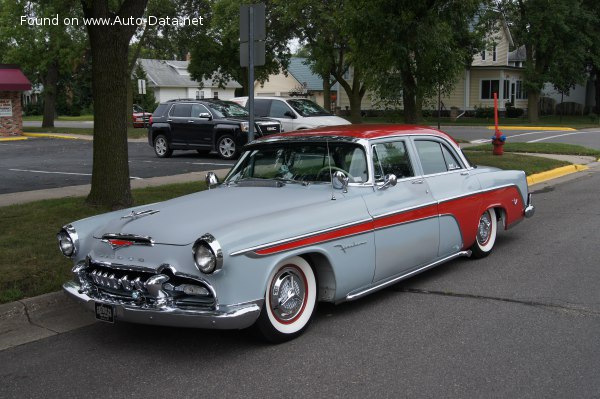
(486, 234)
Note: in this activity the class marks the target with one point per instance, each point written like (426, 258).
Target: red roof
(12, 79)
(367, 131)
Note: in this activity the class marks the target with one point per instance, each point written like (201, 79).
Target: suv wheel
(226, 147)
(161, 147)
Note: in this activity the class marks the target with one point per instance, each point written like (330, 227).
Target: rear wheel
(226, 147)
(290, 300)
(161, 147)
(486, 234)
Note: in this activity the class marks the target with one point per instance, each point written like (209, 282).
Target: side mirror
(211, 180)
(289, 114)
(389, 181)
(205, 115)
(340, 181)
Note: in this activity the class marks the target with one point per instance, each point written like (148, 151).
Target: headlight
(207, 253)
(244, 126)
(68, 241)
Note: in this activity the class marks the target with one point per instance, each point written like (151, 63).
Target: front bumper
(224, 317)
(529, 209)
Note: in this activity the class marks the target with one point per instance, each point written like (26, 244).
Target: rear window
(261, 107)
(182, 110)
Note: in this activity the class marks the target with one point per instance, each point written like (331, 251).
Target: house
(299, 81)
(12, 84)
(171, 80)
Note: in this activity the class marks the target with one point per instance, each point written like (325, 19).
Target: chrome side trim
(358, 294)
(300, 237)
(134, 215)
(412, 208)
(529, 209)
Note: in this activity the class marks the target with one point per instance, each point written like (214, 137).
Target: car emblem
(118, 244)
(515, 201)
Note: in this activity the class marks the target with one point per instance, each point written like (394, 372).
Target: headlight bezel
(208, 243)
(68, 232)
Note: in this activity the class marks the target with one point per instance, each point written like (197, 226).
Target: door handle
(464, 173)
(169, 120)
(190, 121)
(417, 182)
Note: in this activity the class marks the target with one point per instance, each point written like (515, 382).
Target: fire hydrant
(498, 143)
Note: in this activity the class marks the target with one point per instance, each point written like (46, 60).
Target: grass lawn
(132, 133)
(31, 264)
(60, 118)
(541, 148)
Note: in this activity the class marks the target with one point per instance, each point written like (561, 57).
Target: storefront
(12, 83)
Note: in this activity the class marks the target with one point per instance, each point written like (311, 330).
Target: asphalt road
(523, 322)
(43, 163)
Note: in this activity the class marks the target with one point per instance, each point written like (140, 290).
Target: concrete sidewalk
(35, 318)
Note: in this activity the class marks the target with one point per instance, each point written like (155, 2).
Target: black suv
(204, 125)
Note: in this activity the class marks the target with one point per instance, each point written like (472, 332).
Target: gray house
(171, 80)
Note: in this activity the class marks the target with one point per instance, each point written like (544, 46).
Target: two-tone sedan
(326, 215)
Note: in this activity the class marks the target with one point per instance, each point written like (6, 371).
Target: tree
(45, 52)
(414, 48)
(331, 43)
(553, 33)
(110, 78)
(215, 54)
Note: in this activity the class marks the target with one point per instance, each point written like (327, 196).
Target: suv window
(198, 109)
(182, 111)
(162, 108)
(278, 109)
(261, 107)
(391, 158)
(435, 158)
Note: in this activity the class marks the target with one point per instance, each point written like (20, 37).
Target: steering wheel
(333, 168)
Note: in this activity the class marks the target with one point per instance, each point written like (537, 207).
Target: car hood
(238, 215)
(325, 120)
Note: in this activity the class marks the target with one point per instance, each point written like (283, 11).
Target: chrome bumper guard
(224, 317)
(529, 209)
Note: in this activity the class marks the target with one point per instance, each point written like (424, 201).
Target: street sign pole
(251, 73)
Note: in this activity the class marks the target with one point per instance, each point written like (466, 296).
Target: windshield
(301, 162)
(307, 108)
(227, 109)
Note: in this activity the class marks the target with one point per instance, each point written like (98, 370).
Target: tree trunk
(130, 102)
(533, 99)
(110, 79)
(355, 111)
(597, 92)
(327, 94)
(50, 91)
(409, 97)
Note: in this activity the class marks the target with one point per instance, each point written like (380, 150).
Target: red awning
(12, 79)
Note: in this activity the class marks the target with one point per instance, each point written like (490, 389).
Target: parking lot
(41, 163)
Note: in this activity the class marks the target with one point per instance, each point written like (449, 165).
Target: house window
(520, 92)
(483, 55)
(488, 88)
(505, 94)
(197, 94)
(202, 94)
(216, 95)
(494, 53)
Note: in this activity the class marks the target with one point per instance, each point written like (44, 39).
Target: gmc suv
(204, 125)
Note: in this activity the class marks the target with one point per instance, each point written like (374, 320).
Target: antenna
(330, 174)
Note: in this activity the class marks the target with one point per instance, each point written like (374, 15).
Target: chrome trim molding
(214, 246)
(360, 293)
(529, 209)
(134, 215)
(72, 233)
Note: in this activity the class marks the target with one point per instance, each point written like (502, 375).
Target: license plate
(105, 312)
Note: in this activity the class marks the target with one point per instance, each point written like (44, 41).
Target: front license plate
(105, 312)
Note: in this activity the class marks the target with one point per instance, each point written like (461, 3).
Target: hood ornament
(134, 215)
(118, 241)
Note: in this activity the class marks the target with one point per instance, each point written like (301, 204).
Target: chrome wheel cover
(484, 231)
(227, 147)
(160, 146)
(288, 294)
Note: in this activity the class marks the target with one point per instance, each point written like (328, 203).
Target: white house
(171, 80)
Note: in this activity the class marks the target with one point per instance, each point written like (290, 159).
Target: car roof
(366, 132)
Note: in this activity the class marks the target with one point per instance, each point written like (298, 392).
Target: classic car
(330, 215)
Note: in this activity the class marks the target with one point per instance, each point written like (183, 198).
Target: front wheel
(226, 147)
(486, 234)
(290, 300)
(161, 147)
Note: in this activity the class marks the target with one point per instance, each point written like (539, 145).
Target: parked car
(328, 215)
(204, 125)
(293, 113)
(140, 118)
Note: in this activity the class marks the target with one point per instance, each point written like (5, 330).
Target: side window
(391, 158)
(182, 111)
(435, 157)
(198, 109)
(261, 107)
(278, 109)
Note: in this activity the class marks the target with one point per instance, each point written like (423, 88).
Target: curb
(543, 128)
(555, 173)
(51, 135)
(12, 138)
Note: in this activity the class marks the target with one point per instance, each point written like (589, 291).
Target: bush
(512, 112)
(484, 112)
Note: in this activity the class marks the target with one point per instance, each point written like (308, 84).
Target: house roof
(299, 68)
(167, 73)
(12, 79)
(519, 54)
